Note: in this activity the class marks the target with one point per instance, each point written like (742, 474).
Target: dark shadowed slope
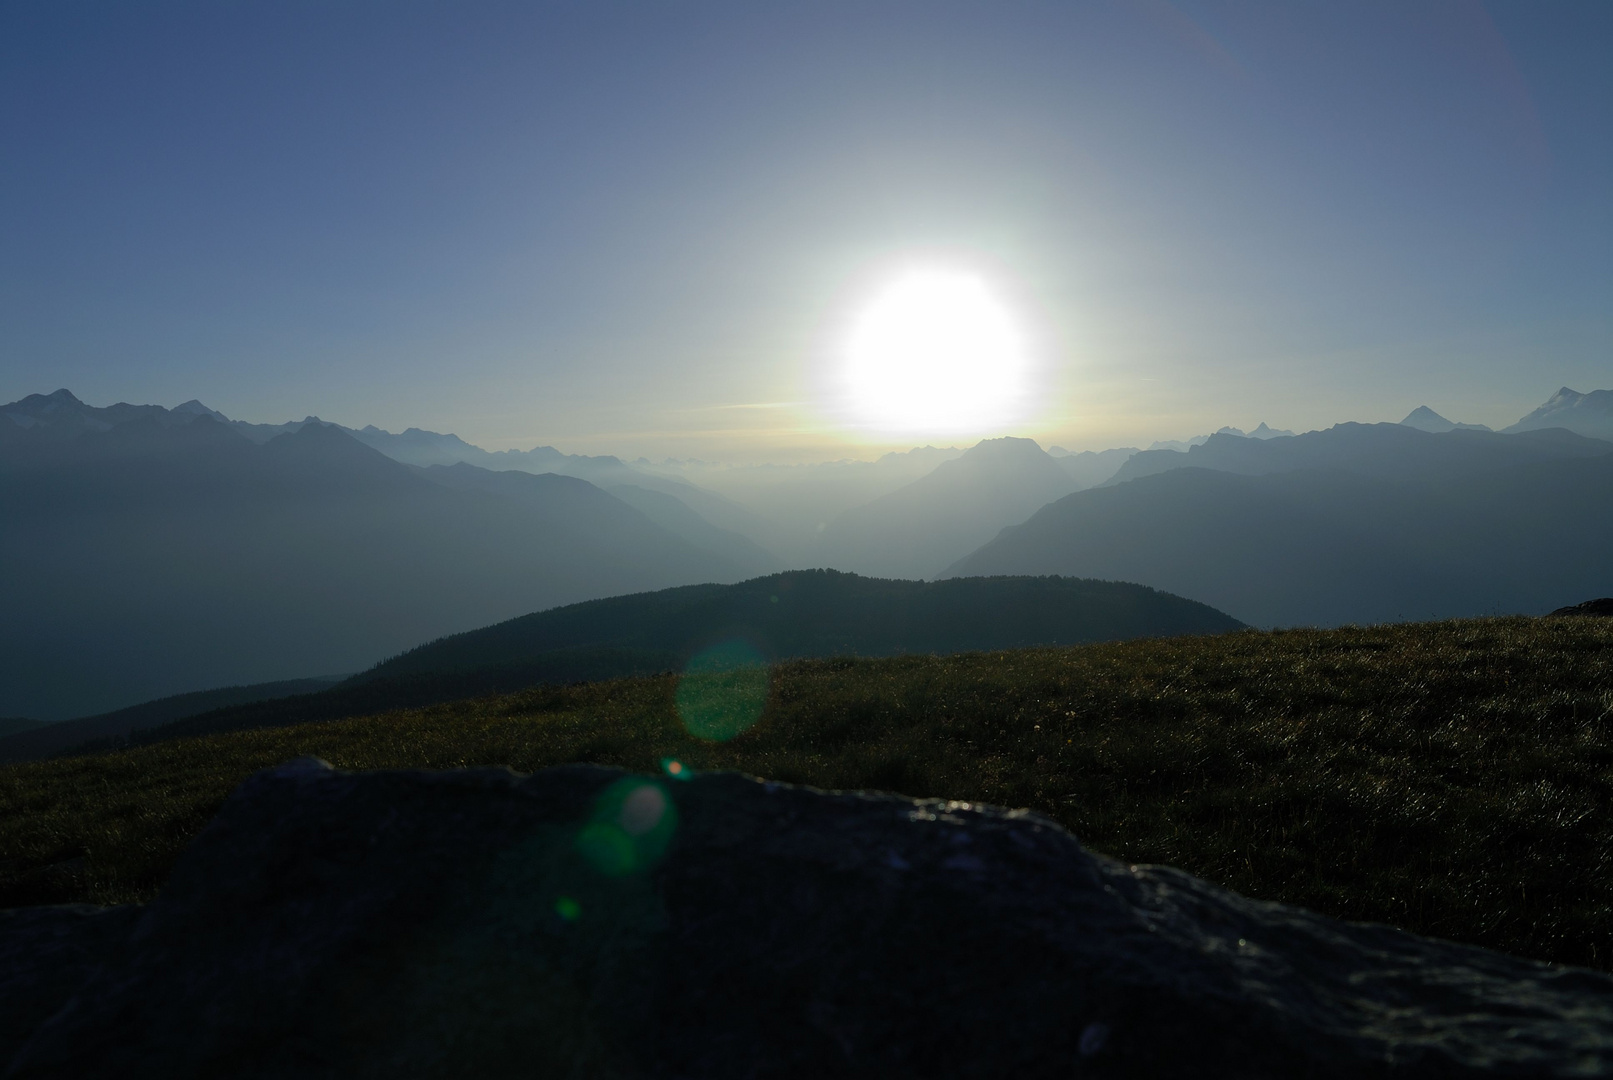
(14, 725)
(808, 613)
(42, 740)
(921, 528)
(156, 557)
(1601, 607)
(803, 613)
(1326, 547)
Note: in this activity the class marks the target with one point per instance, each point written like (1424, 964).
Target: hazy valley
(151, 552)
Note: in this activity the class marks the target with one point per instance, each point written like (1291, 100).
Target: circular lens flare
(632, 823)
(935, 352)
(642, 810)
(723, 691)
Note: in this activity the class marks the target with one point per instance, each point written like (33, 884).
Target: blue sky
(643, 228)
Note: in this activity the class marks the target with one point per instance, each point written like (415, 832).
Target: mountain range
(147, 551)
(1356, 524)
(822, 613)
(1585, 414)
(62, 416)
(1425, 419)
(921, 528)
(796, 503)
(801, 615)
(1388, 451)
(169, 552)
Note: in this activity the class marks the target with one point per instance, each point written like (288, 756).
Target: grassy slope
(797, 615)
(814, 613)
(1452, 778)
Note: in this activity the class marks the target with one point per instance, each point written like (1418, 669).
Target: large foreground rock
(583, 923)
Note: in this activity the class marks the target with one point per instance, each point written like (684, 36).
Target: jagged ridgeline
(796, 615)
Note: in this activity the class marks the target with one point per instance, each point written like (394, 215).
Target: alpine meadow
(881, 540)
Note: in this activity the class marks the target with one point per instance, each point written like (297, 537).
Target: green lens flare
(632, 823)
(567, 908)
(723, 691)
(642, 810)
(608, 848)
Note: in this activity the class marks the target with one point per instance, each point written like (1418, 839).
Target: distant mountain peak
(1005, 452)
(1003, 445)
(1589, 414)
(50, 402)
(194, 407)
(1425, 419)
(1264, 431)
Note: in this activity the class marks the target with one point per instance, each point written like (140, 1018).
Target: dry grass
(1452, 778)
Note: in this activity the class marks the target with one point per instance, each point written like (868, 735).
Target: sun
(935, 352)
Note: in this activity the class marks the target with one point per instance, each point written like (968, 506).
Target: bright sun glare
(935, 352)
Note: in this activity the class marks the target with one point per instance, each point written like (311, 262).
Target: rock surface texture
(583, 922)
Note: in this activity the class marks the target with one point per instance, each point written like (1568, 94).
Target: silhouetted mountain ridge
(798, 614)
(1090, 468)
(42, 740)
(919, 529)
(806, 613)
(13, 725)
(1386, 451)
(1425, 419)
(1360, 523)
(61, 417)
(156, 555)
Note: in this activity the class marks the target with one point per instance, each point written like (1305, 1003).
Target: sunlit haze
(652, 230)
(936, 355)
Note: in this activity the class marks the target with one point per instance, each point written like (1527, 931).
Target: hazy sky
(646, 228)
